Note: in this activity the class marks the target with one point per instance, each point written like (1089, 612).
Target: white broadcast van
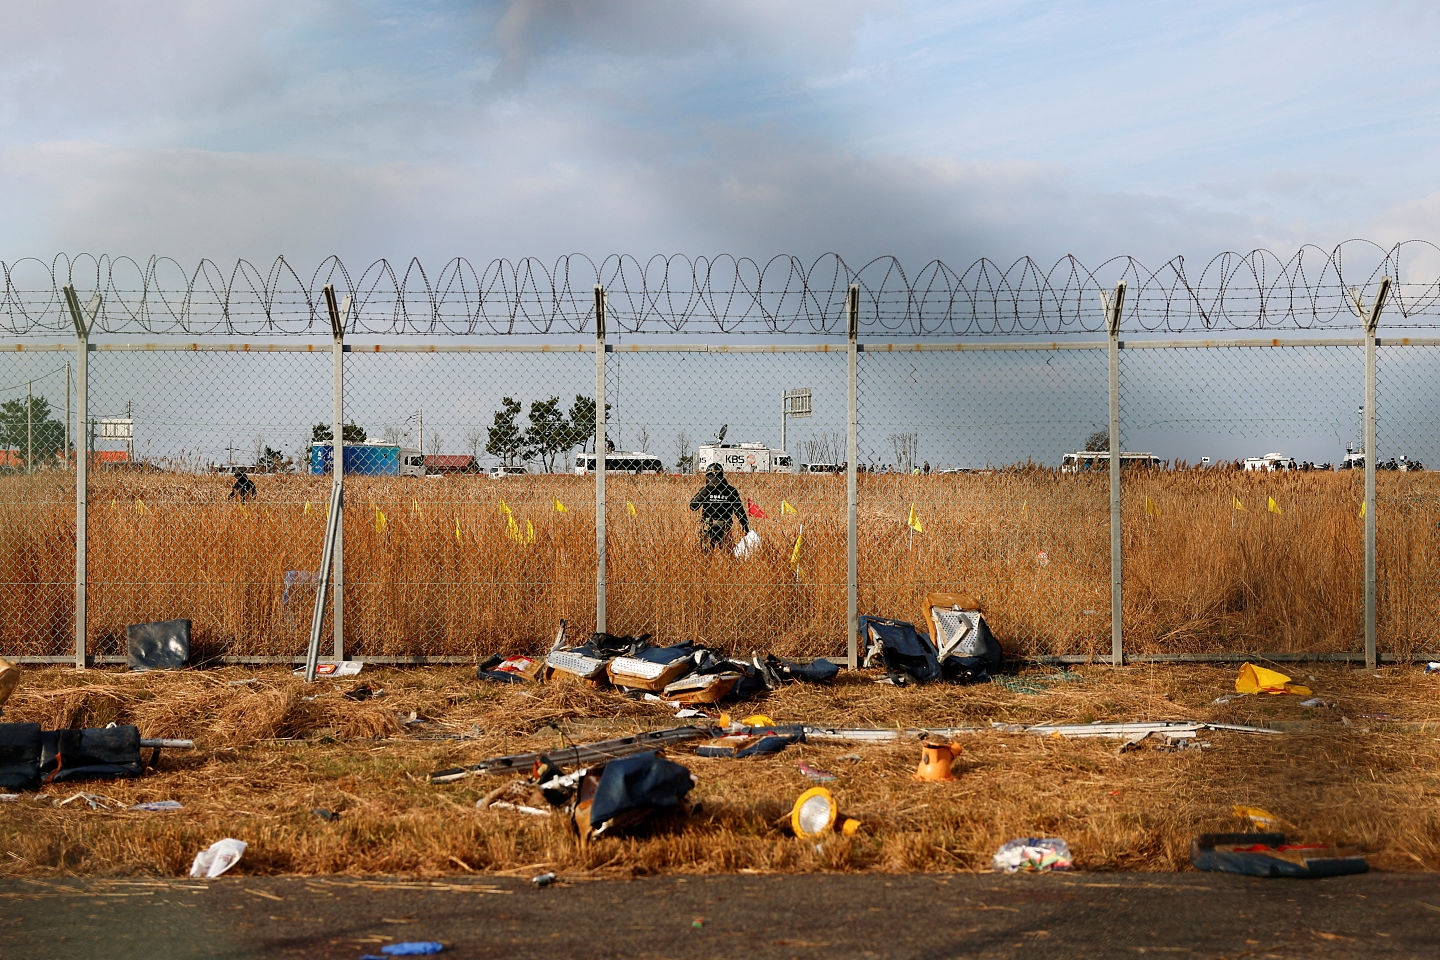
(742, 458)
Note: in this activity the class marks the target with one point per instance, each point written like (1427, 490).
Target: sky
(920, 130)
(923, 130)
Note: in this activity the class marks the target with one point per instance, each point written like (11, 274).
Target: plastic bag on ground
(1032, 855)
(217, 858)
(748, 544)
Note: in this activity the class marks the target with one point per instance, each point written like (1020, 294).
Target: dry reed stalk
(1200, 575)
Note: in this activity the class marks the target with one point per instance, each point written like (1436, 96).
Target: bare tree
(643, 438)
(259, 449)
(1099, 440)
(683, 457)
(436, 443)
(393, 434)
(904, 445)
(473, 440)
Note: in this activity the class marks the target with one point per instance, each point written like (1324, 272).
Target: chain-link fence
(980, 466)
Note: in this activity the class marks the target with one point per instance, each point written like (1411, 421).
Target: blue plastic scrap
(411, 948)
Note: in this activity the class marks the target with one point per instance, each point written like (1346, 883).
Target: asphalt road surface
(745, 917)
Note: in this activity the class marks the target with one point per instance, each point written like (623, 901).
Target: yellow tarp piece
(1263, 819)
(1253, 679)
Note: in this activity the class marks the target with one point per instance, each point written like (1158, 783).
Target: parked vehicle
(369, 459)
(497, 473)
(742, 458)
(617, 462)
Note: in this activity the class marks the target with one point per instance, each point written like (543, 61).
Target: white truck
(742, 458)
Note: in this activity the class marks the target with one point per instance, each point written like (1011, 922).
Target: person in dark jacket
(244, 488)
(718, 502)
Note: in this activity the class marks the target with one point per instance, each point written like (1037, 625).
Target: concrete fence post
(84, 322)
(339, 316)
(1113, 308)
(1372, 322)
(600, 398)
(852, 489)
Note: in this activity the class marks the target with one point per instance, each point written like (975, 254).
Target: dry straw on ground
(441, 574)
(1362, 772)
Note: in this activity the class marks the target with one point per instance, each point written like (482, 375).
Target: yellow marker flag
(459, 541)
(630, 508)
(795, 553)
(140, 506)
(512, 529)
(1235, 503)
(529, 532)
(786, 508)
(914, 522)
(1362, 509)
(1274, 507)
(309, 508)
(1150, 509)
(1025, 508)
(379, 521)
(559, 507)
(415, 510)
(504, 509)
(112, 503)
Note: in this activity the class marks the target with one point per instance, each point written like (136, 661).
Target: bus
(1083, 461)
(636, 463)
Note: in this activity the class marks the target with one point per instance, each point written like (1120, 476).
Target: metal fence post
(84, 323)
(338, 317)
(852, 493)
(600, 396)
(1372, 322)
(1117, 633)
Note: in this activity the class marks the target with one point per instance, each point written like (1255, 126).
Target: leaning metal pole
(327, 557)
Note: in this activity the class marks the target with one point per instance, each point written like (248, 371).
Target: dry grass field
(433, 567)
(1360, 771)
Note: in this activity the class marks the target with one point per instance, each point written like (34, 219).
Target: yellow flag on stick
(559, 507)
(630, 508)
(529, 532)
(379, 521)
(1150, 509)
(795, 553)
(1235, 503)
(458, 540)
(309, 508)
(1025, 508)
(914, 522)
(415, 510)
(786, 508)
(1274, 507)
(504, 509)
(512, 529)
(1362, 509)
(140, 507)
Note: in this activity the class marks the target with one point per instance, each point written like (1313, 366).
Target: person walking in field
(244, 488)
(718, 502)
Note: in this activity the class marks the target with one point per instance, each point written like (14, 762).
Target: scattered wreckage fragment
(30, 756)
